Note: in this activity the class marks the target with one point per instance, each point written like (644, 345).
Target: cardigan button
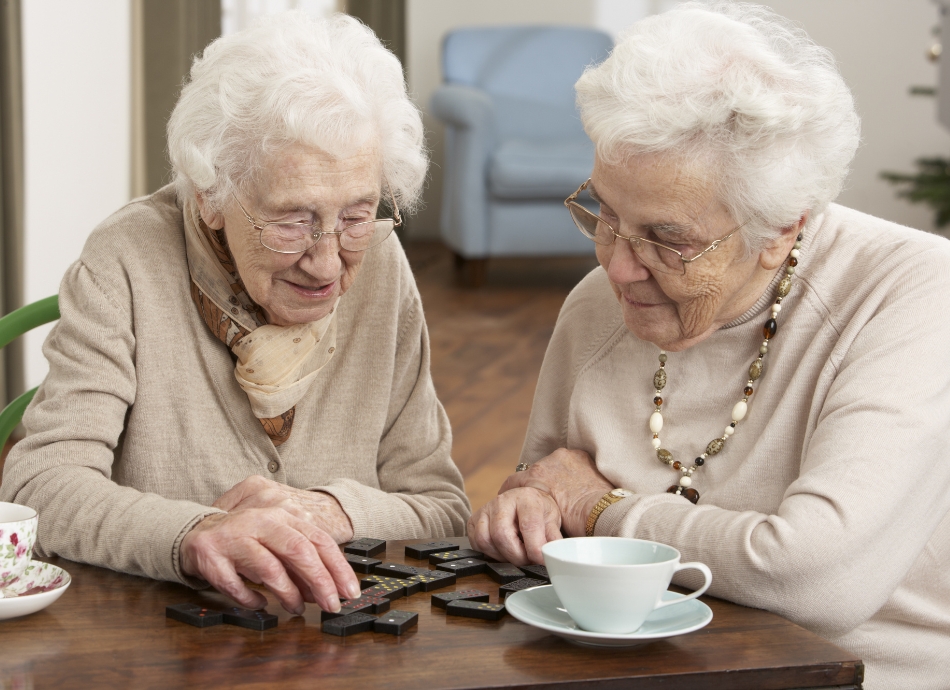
(273, 466)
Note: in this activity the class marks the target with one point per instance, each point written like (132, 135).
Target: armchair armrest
(469, 140)
(462, 106)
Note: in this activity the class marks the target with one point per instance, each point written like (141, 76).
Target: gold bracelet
(609, 499)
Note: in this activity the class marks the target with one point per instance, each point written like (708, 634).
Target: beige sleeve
(63, 468)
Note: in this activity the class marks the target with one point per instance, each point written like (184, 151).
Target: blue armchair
(514, 145)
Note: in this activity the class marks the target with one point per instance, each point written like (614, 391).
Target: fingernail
(299, 610)
(354, 591)
(334, 605)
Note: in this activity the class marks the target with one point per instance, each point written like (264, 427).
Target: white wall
(77, 136)
(239, 14)
(880, 45)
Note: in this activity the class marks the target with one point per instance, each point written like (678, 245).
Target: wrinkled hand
(572, 480)
(277, 536)
(319, 509)
(515, 525)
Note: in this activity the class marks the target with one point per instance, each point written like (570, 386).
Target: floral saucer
(540, 607)
(39, 586)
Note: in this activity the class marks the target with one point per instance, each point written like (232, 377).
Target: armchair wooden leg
(471, 272)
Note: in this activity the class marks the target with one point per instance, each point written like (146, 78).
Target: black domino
(250, 619)
(347, 607)
(421, 551)
(385, 591)
(410, 587)
(194, 614)
(434, 579)
(503, 573)
(349, 625)
(377, 603)
(446, 556)
(464, 567)
(365, 547)
(518, 585)
(395, 622)
(398, 570)
(361, 564)
(441, 600)
(538, 572)
(476, 609)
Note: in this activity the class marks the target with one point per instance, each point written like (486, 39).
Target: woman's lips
(312, 292)
(640, 305)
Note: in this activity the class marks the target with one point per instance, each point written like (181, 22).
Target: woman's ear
(213, 219)
(774, 254)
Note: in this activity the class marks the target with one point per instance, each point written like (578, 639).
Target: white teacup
(17, 537)
(611, 584)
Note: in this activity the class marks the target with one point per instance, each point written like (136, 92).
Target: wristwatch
(608, 500)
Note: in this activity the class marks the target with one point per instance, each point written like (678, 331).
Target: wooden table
(110, 630)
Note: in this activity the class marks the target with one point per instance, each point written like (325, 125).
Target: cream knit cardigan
(830, 503)
(141, 425)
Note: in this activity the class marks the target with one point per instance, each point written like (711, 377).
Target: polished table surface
(110, 630)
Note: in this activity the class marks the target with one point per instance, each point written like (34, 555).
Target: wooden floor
(487, 348)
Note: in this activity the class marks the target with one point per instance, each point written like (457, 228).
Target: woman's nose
(323, 256)
(625, 265)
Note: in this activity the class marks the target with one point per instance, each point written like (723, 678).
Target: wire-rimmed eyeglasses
(299, 236)
(654, 254)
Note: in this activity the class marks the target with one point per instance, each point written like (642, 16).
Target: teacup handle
(683, 566)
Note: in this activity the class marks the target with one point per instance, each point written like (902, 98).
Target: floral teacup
(17, 537)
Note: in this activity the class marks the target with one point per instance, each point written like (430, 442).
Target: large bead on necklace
(692, 495)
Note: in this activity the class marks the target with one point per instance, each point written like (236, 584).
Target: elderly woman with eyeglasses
(754, 375)
(240, 378)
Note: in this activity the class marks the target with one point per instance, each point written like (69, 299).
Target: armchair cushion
(539, 169)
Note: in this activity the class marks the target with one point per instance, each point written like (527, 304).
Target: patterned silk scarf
(275, 364)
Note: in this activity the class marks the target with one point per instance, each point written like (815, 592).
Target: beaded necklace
(684, 488)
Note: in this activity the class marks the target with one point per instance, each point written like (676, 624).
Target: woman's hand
(295, 560)
(319, 509)
(564, 486)
(278, 536)
(515, 525)
(572, 479)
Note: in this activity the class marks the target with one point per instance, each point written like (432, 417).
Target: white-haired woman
(240, 378)
(754, 375)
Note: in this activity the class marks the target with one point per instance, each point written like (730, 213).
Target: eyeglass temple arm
(573, 197)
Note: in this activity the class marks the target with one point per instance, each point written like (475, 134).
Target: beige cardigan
(830, 503)
(140, 424)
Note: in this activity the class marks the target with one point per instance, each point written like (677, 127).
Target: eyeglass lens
(292, 238)
(656, 257)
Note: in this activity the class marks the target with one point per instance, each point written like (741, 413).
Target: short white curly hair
(738, 88)
(292, 79)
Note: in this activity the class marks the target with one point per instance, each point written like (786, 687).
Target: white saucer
(540, 607)
(51, 579)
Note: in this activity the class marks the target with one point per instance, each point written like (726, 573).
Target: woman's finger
(536, 513)
(504, 530)
(242, 492)
(293, 549)
(220, 574)
(483, 541)
(345, 582)
(260, 564)
(513, 481)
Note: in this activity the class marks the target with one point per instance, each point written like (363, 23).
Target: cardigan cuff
(185, 579)
(623, 517)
